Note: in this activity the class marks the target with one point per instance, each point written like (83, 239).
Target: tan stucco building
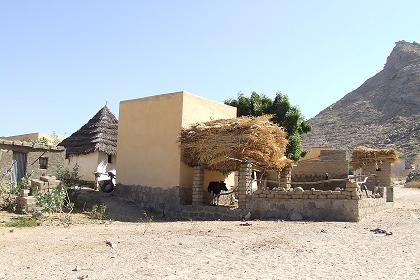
(148, 138)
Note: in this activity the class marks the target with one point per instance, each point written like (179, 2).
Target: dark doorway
(19, 166)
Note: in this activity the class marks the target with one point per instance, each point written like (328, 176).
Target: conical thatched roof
(99, 134)
(216, 144)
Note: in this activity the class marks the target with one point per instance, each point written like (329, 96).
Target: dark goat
(215, 188)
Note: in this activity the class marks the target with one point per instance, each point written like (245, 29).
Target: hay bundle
(216, 144)
(363, 155)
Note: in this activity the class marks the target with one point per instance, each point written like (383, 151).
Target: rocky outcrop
(384, 111)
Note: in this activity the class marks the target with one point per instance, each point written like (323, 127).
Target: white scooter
(107, 181)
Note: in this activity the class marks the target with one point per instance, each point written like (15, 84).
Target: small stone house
(93, 148)
(319, 164)
(20, 158)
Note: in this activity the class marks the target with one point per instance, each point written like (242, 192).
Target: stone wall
(349, 204)
(335, 169)
(55, 161)
(333, 162)
(308, 204)
(6, 157)
(307, 209)
(165, 200)
(306, 194)
(55, 155)
(382, 173)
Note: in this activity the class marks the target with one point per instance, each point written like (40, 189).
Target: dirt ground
(220, 250)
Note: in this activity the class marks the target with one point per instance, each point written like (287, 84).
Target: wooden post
(198, 181)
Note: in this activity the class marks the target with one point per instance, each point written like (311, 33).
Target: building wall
(197, 109)
(315, 152)
(148, 137)
(31, 137)
(322, 161)
(88, 164)
(383, 174)
(6, 157)
(148, 148)
(103, 157)
(55, 159)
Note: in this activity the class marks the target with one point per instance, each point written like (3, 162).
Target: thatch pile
(99, 134)
(216, 144)
(363, 155)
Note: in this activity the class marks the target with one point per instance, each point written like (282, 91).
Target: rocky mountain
(384, 111)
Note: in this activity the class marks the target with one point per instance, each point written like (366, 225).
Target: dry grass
(363, 155)
(213, 144)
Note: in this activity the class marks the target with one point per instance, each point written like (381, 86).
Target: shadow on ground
(117, 209)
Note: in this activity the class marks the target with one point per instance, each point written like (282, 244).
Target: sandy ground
(221, 250)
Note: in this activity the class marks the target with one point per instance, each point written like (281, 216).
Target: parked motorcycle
(107, 181)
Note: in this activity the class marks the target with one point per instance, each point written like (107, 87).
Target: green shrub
(9, 191)
(413, 176)
(22, 222)
(67, 177)
(98, 212)
(57, 200)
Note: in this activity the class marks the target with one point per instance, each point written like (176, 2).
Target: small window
(43, 163)
(109, 158)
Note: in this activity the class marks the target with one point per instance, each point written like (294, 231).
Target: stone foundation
(309, 209)
(165, 200)
(208, 213)
(345, 205)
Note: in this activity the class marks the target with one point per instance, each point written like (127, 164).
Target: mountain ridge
(382, 112)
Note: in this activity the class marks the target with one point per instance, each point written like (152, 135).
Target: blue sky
(60, 61)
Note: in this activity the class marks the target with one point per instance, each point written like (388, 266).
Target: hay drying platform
(363, 156)
(216, 144)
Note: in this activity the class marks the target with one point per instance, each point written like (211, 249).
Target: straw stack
(216, 144)
(363, 155)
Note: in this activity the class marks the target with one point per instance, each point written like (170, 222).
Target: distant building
(321, 163)
(93, 148)
(37, 137)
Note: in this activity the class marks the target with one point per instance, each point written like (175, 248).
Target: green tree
(284, 114)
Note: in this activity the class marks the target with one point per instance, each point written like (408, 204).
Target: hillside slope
(384, 111)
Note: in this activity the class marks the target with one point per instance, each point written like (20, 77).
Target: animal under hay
(362, 156)
(216, 144)
(215, 189)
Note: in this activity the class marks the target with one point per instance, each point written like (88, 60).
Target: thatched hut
(375, 163)
(94, 146)
(362, 156)
(221, 145)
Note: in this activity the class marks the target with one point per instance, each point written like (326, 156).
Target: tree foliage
(284, 114)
